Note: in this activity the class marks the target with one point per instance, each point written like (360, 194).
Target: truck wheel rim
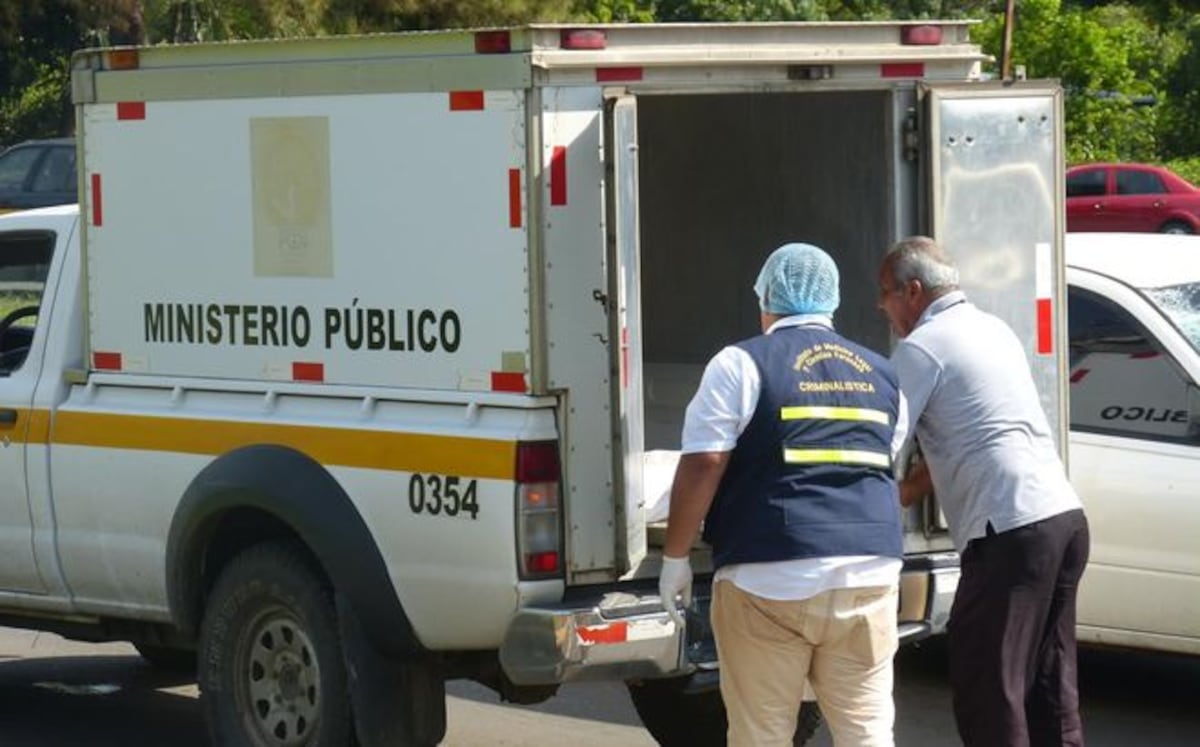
(282, 680)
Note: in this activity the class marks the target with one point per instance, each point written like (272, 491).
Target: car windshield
(1180, 304)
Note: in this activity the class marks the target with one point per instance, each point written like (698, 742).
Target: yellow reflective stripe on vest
(834, 413)
(836, 456)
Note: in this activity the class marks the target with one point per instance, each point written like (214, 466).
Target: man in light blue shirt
(990, 458)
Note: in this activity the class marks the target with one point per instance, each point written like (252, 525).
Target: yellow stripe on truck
(39, 426)
(348, 447)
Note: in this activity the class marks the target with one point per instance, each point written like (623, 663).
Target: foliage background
(1131, 71)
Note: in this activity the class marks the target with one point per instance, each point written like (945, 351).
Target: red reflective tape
(1144, 354)
(131, 110)
(1078, 375)
(1045, 326)
(514, 198)
(612, 74)
(505, 381)
(902, 69)
(613, 633)
(106, 361)
(493, 42)
(302, 371)
(558, 176)
(466, 101)
(97, 202)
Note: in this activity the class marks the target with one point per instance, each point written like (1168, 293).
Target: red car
(1130, 197)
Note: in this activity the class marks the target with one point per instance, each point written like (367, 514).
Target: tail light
(539, 511)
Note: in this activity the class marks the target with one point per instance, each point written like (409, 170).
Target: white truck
(357, 366)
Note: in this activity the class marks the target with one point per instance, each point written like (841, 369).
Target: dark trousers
(1012, 636)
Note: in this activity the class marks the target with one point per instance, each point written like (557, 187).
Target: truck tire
(678, 719)
(271, 664)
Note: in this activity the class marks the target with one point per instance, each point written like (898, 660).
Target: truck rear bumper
(622, 636)
(927, 586)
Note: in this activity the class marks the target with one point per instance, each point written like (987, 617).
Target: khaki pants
(841, 640)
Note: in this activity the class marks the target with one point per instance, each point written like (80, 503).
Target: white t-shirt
(979, 421)
(721, 409)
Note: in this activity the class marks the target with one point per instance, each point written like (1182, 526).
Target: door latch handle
(8, 416)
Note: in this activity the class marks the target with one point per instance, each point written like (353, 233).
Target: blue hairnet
(798, 279)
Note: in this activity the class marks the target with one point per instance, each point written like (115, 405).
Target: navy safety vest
(811, 475)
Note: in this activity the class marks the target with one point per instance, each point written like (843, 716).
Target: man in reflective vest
(787, 457)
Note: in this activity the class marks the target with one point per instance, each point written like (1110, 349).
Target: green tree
(1112, 57)
(616, 11)
(1163, 13)
(1180, 119)
(434, 14)
(36, 37)
(219, 20)
(40, 108)
(878, 10)
(1110, 62)
(739, 10)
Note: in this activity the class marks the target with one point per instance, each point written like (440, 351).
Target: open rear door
(625, 314)
(996, 195)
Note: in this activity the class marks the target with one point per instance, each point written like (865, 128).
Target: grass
(13, 300)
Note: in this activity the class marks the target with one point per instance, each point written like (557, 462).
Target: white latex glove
(675, 580)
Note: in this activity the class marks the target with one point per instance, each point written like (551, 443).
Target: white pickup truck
(348, 372)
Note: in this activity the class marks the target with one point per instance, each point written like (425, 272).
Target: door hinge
(912, 137)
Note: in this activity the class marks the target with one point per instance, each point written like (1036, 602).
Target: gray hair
(920, 258)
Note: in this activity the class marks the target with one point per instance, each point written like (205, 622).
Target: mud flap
(397, 701)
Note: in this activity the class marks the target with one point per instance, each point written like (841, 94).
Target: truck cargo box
(549, 211)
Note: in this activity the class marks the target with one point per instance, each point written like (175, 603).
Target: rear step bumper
(622, 635)
(927, 586)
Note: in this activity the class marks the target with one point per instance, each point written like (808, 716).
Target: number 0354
(442, 495)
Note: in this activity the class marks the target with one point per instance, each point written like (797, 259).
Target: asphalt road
(55, 693)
